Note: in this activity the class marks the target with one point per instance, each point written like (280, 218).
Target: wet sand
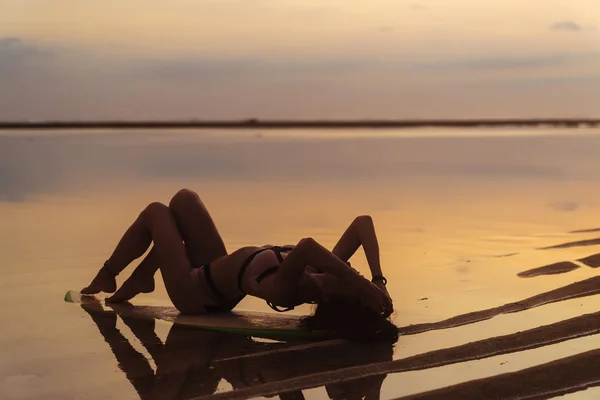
(570, 329)
(459, 219)
(588, 287)
(568, 375)
(295, 366)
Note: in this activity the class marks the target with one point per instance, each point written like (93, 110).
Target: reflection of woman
(186, 352)
(188, 365)
(200, 277)
(282, 366)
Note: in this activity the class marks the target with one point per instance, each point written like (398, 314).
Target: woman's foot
(134, 285)
(103, 282)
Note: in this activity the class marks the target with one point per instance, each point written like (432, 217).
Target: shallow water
(459, 214)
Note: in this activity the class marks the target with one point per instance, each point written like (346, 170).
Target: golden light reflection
(449, 250)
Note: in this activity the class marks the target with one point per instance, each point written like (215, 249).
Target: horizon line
(318, 123)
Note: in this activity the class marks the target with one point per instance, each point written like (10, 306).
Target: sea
(459, 214)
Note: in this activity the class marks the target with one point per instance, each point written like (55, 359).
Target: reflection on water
(192, 362)
(458, 216)
(41, 163)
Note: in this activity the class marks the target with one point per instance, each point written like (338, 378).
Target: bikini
(225, 305)
(277, 250)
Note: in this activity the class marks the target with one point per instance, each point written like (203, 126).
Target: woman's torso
(257, 278)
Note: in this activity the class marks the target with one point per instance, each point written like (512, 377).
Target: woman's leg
(157, 223)
(140, 281)
(200, 235)
(132, 245)
(202, 239)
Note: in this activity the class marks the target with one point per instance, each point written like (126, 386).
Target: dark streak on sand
(581, 326)
(587, 287)
(591, 261)
(506, 255)
(272, 124)
(588, 242)
(552, 269)
(584, 325)
(562, 267)
(586, 230)
(560, 377)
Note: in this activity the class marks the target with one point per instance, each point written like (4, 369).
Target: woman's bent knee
(184, 196)
(155, 209)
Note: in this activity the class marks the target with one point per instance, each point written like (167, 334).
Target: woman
(201, 277)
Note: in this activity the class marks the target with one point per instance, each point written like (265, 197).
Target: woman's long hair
(347, 318)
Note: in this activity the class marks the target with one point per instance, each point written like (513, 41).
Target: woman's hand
(390, 305)
(373, 297)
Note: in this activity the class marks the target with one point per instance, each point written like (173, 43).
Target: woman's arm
(360, 232)
(309, 252)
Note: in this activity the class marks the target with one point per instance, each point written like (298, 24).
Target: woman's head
(349, 319)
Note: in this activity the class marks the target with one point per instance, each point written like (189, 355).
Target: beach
(489, 240)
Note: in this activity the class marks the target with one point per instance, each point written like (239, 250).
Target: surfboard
(249, 323)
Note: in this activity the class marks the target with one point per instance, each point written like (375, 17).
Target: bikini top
(277, 250)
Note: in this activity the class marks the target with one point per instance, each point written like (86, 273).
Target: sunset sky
(278, 59)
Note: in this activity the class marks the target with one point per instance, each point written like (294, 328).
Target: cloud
(418, 6)
(12, 46)
(567, 26)
(56, 81)
(16, 54)
(503, 62)
(565, 206)
(194, 68)
(9, 41)
(385, 29)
